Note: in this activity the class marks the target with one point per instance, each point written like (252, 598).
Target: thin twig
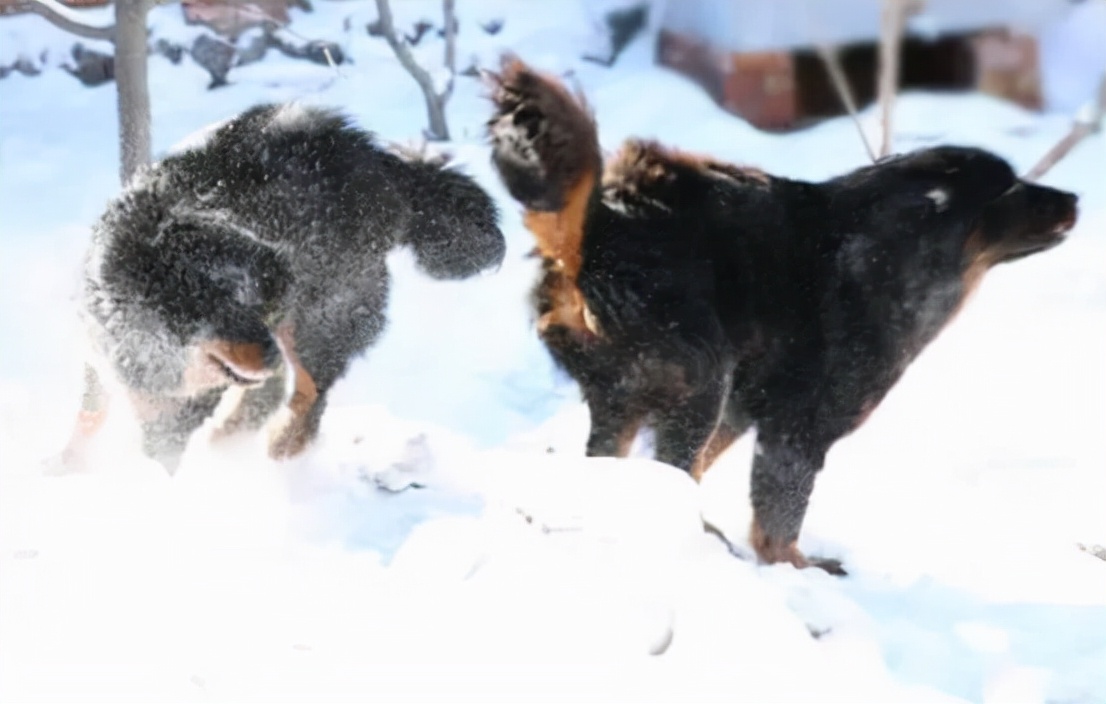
(832, 60)
(1080, 129)
(892, 24)
(257, 13)
(401, 50)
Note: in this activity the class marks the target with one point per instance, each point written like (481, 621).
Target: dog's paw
(828, 564)
(772, 551)
(288, 442)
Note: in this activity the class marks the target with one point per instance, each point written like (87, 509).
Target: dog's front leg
(732, 426)
(615, 420)
(298, 422)
(684, 429)
(91, 417)
(168, 423)
(784, 470)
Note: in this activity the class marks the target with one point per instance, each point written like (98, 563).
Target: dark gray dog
(256, 262)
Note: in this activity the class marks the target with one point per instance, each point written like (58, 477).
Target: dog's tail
(545, 147)
(455, 233)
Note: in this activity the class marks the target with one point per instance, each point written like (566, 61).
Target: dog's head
(974, 200)
(193, 307)
(1024, 220)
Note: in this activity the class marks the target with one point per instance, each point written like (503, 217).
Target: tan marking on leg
(627, 436)
(773, 551)
(719, 442)
(560, 236)
(290, 437)
(90, 418)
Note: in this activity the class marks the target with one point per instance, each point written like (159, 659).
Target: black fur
(723, 298)
(281, 220)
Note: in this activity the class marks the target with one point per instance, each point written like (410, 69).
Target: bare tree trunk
(435, 103)
(132, 86)
(435, 112)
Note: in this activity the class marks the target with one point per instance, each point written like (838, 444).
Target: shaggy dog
(703, 298)
(255, 263)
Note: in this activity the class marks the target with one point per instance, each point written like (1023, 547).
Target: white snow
(446, 541)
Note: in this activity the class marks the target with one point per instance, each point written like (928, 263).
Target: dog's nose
(1072, 201)
(1068, 213)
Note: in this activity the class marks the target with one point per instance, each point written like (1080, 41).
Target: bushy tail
(545, 147)
(456, 230)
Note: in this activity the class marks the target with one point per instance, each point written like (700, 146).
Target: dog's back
(305, 178)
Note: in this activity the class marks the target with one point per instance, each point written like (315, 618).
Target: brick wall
(784, 89)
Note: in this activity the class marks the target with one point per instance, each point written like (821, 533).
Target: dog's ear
(229, 260)
(961, 181)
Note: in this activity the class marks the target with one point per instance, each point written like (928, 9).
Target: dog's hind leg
(784, 470)
(615, 421)
(684, 429)
(733, 424)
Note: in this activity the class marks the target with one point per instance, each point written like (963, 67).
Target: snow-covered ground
(446, 541)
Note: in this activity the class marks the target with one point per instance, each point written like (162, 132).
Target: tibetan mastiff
(252, 267)
(702, 298)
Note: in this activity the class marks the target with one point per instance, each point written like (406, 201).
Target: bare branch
(257, 13)
(70, 20)
(891, 26)
(1084, 125)
(832, 61)
(434, 102)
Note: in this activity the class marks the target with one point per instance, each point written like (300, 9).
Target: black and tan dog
(255, 263)
(702, 298)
